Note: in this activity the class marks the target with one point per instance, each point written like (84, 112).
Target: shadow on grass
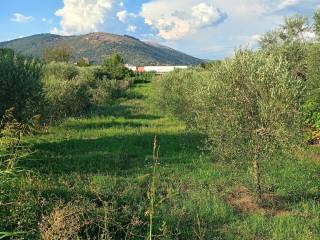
(113, 155)
(122, 111)
(103, 125)
(133, 95)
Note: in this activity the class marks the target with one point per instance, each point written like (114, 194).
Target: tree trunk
(257, 177)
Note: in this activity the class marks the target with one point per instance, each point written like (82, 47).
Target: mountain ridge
(99, 45)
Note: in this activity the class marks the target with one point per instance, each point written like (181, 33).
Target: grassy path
(116, 141)
(102, 164)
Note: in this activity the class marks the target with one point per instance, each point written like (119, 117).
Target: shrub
(70, 90)
(248, 105)
(61, 70)
(312, 105)
(83, 62)
(179, 92)
(303, 59)
(20, 81)
(67, 90)
(115, 69)
(57, 54)
(62, 223)
(144, 77)
(12, 146)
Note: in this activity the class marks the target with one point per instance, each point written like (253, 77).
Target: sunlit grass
(108, 156)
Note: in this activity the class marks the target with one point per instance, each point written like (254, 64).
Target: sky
(208, 29)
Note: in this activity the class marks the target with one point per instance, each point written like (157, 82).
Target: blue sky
(209, 29)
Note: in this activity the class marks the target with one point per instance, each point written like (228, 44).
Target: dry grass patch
(246, 201)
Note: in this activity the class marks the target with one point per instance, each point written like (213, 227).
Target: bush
(13, 148)
(67, 90)
(248, 106)
(312, 105)
(57, 54)
(176, 93)
(20, 81)
(61, 70)
(115, 69)
(71, 91)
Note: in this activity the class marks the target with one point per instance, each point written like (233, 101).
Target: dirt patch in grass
(246, 201)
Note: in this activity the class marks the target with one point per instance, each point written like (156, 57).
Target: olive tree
(250, 110)
(317, 22)
(21, 87)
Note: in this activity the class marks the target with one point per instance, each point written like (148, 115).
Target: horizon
(206, 30)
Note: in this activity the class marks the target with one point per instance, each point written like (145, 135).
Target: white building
(155, 69)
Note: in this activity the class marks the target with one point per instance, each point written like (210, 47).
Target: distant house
(155, 69)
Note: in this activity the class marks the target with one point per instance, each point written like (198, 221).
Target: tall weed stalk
(152, 190)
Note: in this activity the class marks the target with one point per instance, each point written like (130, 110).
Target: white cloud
(205, 14)
(20, 18)
(195, 25)
(124, 15)
(309, 36)
(121, 4)
(131, 28)
(287, 3)
(253, 40)
(176, 19)
(82, 16)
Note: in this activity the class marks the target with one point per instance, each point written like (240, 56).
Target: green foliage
(313, 73)
(311, 107)
(67, 90)
(57, 54)
(90, 174)
(288, 40)
(247, 106)
(61, 71)
(210, 64)
(250, 102)
(72, 91)
(175, 91)
(20, 81)
(13, 147)
(291, 31)
(114, 68)
(114, 61)
(83, 62)
(144, 77)
(293, 28)
(302, 57)
(317, 22)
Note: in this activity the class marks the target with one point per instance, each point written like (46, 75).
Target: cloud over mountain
(174, 20)
(82, 16)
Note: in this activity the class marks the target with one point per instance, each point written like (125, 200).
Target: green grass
(102, 163)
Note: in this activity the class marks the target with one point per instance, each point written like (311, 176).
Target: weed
(152, 190)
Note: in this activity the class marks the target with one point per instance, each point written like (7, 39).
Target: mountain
(97, 46)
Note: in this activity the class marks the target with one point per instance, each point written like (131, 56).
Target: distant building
(155, 69)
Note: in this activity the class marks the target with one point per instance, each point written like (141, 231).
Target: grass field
(98, 167)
